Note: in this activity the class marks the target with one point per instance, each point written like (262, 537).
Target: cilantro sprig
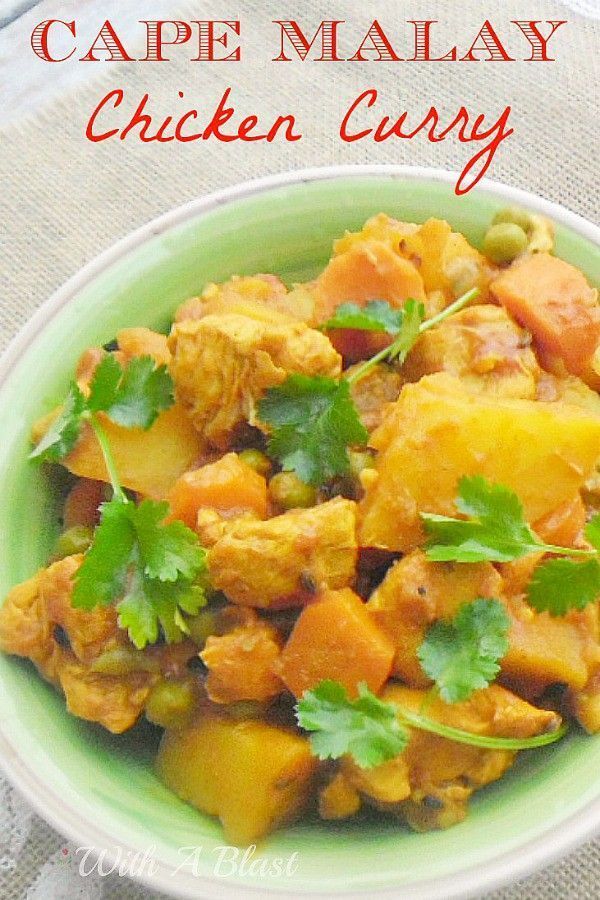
(366, 728)
(494, 529)
(148, 567)
(373, 731)
(313, 419)
(463, 655)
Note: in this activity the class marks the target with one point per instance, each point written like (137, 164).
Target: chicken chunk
(373, 393)
(483, 346)
(38, 622)
(415, 593)
(251, 295)
(241, 664)
(286, 560)
(430, 783)
(223, 364)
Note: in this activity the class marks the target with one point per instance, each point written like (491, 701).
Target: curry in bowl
(340, 539)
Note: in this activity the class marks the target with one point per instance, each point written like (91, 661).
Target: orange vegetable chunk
(336, 638)
(228, 485)
(553, 300)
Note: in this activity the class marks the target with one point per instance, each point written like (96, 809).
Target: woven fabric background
(63, 200)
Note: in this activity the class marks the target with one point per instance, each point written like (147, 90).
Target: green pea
(359, 460)
(123, 661)
(504, 242)
(171, 703)
(202, 626)
(514, 215)
(257, 461)
(289, 492)
(74, 540)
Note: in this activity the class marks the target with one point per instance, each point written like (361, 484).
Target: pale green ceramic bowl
(100, 790)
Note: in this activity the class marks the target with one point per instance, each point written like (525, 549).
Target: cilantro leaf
(377, 315)
(410, 329)
(132, 397)
(102, 576)
(496, 530)
(366, 728)
(146, 566)
(462, 656)
(169, 550)
(63, 433)
(142, 391)
(563, 584)
(314, 421)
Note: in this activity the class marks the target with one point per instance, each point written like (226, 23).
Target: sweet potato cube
(254, 776)
(553, 300)
(228, 485)
(438, 431)
(336, 638)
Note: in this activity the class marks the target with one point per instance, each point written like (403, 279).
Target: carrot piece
(337, 638)
(553, 300)
(228, 485)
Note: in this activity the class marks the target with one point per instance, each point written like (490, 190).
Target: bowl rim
(515, 864)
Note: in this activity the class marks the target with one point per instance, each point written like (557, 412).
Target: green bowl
(100, 790)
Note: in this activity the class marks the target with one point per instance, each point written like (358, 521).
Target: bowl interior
(78, 770)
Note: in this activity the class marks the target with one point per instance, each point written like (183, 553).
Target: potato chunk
(484, 347)
(438, 431)
(336, 638)
(254, 776)
(415, 593)
(223, 364)
(286, 560)
(553, 300)
(148, 461)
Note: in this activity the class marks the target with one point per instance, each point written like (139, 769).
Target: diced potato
(242, 664)
(415, 593)
(564, 525)
(438, 431)
(336, 638)
(254, 776)
(338, 799)
(447, 262)
(286, 560)
(553, 300)
(543, 650)
(223, 364)
(228, 485)
(148, 461)
(482, 345)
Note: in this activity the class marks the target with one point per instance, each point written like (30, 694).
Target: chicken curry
(339, 540)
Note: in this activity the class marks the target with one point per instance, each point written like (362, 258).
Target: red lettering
(107, 41)
(371, 94)
(377, 40)
(139, 118)
(208, 40)
(39, 40)
(192, 114)
(487, 40)
(539, 44)
(89, 131)
(289, 122)
(423, 44)
(155, 40)
(327, 30)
